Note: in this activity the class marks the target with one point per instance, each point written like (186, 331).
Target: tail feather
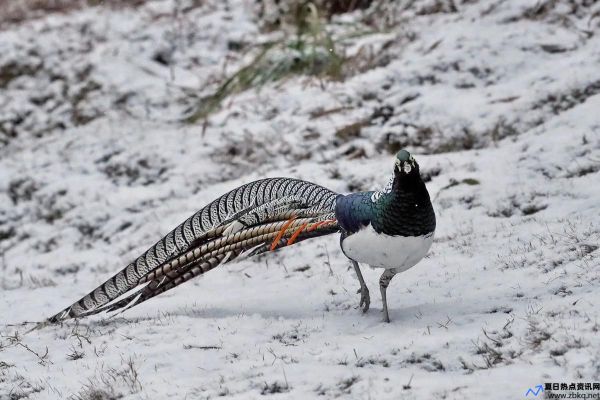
(176, 277)
(254, 226)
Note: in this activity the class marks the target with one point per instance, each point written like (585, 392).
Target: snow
(498, 102)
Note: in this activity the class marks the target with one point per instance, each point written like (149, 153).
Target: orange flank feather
(296, 234)
(281, 233)
(318, 224)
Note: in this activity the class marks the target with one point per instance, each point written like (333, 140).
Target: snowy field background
(104, 148)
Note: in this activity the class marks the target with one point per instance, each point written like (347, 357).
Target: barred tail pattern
(252, 204)
(200, 260)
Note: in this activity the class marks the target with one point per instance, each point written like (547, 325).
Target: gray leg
(365, 299)
(384, 281)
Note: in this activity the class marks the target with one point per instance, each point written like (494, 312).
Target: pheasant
(391, 229)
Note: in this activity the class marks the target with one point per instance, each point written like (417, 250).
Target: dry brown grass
(16, 11)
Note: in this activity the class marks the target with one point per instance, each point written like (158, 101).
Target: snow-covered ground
(499, 101)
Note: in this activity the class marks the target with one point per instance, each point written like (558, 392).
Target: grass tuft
(311, 51)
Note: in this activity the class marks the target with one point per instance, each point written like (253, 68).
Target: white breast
(392, 252)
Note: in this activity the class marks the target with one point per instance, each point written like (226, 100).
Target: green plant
(311, 51)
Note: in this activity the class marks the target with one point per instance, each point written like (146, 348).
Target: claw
(365, 299)
(386, 317)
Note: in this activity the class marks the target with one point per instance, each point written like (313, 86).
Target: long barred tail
(197, 261)
(253, 218)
